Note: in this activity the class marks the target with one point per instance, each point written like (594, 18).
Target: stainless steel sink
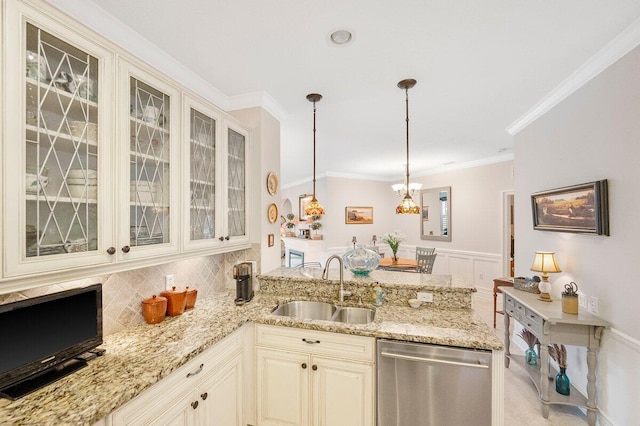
(306, 309)
(351, 315)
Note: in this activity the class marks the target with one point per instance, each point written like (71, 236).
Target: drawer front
(532, 321)
(316, 342)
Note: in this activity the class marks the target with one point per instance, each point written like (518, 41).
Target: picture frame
(270, 240)
(303, 201)
(272, 183)
(582, 208)
(356, 215)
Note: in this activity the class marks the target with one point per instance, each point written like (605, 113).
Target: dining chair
(425, 262)
(424, 250)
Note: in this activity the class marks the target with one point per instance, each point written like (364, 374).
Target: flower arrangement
(393, 239)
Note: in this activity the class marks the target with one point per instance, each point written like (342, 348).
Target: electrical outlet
(481, 276)
(593, 305)
(169, 281)
(425, 297)
(582, 300)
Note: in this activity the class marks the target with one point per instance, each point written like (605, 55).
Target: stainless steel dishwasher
(428, 385)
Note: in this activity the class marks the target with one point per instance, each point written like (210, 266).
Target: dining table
(402, 264)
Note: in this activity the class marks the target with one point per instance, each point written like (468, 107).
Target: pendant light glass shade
(314, 208)
(407, 205)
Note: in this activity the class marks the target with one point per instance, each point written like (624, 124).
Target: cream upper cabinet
(57, 146)
(202, 189)
(235, 191)
(150, 160)
(106, 161)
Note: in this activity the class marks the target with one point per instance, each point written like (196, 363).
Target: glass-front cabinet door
(151, 155)
(235, 229)
(201, 198)
(55, 149)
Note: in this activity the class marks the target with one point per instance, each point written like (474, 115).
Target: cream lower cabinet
(309, 377)
(205, 391)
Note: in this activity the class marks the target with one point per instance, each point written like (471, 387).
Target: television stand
(42, 379)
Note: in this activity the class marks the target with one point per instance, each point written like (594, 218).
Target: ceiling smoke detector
(341, 37)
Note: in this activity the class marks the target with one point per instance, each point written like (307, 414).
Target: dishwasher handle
(433, 360)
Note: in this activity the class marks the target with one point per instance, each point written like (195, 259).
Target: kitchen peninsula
(139, 357)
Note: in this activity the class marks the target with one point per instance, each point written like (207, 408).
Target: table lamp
(545, 262)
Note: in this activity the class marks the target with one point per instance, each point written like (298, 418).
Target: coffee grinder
(244, 282)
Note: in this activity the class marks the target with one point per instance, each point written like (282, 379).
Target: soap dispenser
(377, 295)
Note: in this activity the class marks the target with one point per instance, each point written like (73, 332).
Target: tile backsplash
(123, 292)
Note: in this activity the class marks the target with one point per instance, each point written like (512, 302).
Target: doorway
(508, 234)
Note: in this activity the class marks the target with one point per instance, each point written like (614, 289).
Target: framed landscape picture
(580, 208)
(358, 215)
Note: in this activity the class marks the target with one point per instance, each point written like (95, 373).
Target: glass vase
(530, 356)
(361, 261)
(563, 385)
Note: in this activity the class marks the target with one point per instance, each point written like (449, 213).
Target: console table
(499, 282)
(551, 325)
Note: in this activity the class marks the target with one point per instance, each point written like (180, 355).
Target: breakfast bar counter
(139, 357)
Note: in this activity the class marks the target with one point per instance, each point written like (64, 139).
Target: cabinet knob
(314, 367)
(204, 396)
(226, 238)
(221, 238)
(111, 250)
(194, 404)
(126, 249)
(304, 365)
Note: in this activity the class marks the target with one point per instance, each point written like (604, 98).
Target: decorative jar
(361, 261)
(530, 356)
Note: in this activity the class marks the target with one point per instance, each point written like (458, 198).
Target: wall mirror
(435, 211)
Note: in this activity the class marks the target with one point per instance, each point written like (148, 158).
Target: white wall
(593, 134)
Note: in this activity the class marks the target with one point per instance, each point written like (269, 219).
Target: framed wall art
(358, 215)
(270, 240)
(580, 208)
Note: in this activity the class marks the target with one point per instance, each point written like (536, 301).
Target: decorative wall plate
(272, 213)
(272, 183)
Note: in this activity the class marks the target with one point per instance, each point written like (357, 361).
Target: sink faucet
(325, 275)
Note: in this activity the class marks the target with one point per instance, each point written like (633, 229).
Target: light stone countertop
(140, 356)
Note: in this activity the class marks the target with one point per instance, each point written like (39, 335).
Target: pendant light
(407, 205)
(314, 208)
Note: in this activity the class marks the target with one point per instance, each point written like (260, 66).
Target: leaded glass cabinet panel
(61, 129)
(202, 181)
(236, 183)
(149, 165)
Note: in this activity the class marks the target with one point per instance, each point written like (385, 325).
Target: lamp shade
(545, 261)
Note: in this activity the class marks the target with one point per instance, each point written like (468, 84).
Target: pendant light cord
(406, 182)
(314, 150)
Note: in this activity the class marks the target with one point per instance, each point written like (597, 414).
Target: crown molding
(440, 169)
(604, 58)
(262, 99)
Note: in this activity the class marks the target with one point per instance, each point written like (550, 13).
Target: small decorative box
(527, 284)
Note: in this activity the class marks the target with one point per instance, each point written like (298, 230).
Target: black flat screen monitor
(41, 337)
